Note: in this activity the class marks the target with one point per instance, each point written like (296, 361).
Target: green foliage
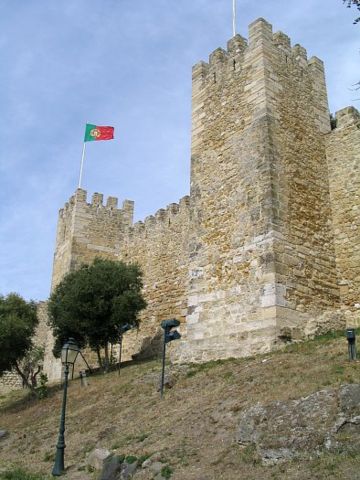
(19, 474)
(166, 471)
(130, 459)
(91, 304)
(353, 3)
(18, 321)
(42, 390)
(143, 457)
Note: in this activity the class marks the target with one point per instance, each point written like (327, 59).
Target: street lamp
(169, 335)
(69, 352)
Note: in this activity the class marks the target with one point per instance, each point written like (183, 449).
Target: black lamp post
(351, 338)
(169, 335)
(69, 352)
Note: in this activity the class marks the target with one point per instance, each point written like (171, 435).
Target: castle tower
(87, 230)
(262, 261)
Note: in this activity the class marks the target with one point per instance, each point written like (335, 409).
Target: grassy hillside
(193, 427)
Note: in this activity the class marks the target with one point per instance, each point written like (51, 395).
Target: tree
(91, 304)
(31, 364)
(353, 3)
(18, 321)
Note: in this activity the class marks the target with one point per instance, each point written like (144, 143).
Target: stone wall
(160, 247)
(343, 156)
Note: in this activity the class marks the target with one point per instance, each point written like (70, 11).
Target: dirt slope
(193, 427)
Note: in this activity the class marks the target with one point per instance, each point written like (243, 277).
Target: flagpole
(82, 164)
(234, 18)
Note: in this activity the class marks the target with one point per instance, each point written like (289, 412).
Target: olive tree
(92, 303)
(18, 321)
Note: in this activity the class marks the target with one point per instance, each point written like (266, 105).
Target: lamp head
(69, 352)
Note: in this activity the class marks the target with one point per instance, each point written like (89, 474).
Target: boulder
(156, 467)
(128, 470)
(111, 468)
(96, 458)
(325, 420)
(3, 434)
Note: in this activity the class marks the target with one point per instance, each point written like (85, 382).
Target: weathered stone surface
(156, 467)
(325, 420)
(343, 157)
(97, 457)
(111, 468)
(128, 470)
(159, 477)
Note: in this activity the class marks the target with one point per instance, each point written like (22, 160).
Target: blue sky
(124, 63)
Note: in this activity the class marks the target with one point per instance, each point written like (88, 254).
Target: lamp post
(69, 352)
(169, 335)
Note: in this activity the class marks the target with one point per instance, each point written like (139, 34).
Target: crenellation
(161, 215)
(128, 212)
(260, 31)
(282, 41)
(184, 202)
(346, 117)
(173, 208)
(97, 199)
(218, 56)
(80, 196)
(299, 53)
(112, 202)
(149, 222)
(236, 45)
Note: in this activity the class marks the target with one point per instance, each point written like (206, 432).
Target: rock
(146, 463)
(156, 467)
(328, 419)
(111, 468)
(96, 458)
(3, 434)
(128, 470)
(156, 457)
(159, 477)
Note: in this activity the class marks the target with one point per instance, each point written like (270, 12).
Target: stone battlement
(97, 199)
(162, 218)
(346, 117)
(236, 57)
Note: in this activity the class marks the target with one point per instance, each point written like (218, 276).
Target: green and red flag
(96, 132)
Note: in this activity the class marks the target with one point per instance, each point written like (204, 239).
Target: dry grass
(194, 426)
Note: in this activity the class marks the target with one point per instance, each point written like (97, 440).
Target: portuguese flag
(95, 132)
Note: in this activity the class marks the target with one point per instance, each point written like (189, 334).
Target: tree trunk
(99, 357)
(106, 357)
(33, 377)
(24, 378)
